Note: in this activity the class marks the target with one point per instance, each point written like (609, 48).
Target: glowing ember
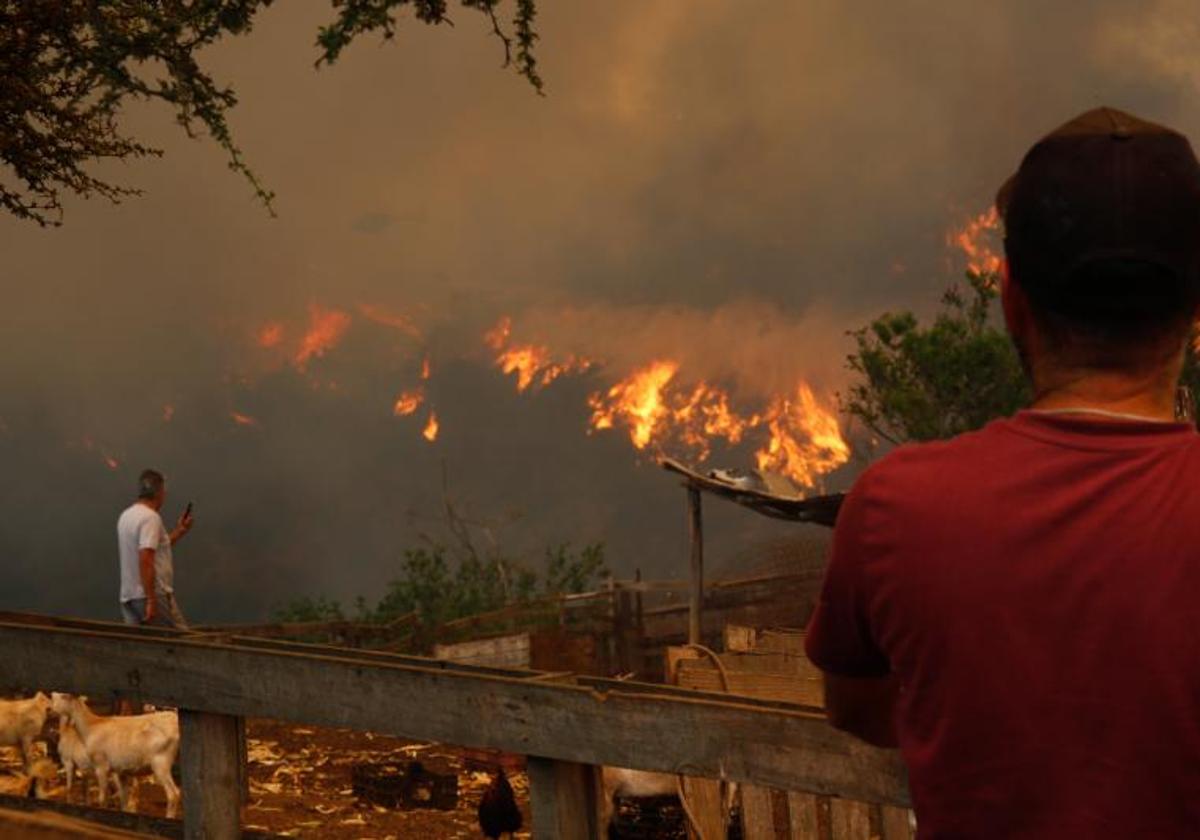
(407, 403)
(530, 362)
(975, 241)
(425, 369)
(270, 335)
(430, 432)
(242, 419)
(168, 413)
(325, 329)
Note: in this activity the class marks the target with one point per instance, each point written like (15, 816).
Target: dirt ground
(301, 786)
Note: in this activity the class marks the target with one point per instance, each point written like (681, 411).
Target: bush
(439, 590)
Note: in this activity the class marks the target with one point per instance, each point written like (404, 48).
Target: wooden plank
(379, 656)
(603, 684)
(738, 637)
(758, 818)
(705, 808)
(132, 822)
(896, 823)
(849, 820)
(790, 750)
(511, 651)
(562, 797)
(802, 816)
(696, 541)
(208, 764)
(51, 826)
(703, 676)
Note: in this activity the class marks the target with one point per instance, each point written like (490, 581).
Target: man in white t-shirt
(147, 568)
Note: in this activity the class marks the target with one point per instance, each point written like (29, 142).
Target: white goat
(125, 743)
(73, 755)
(21, 721)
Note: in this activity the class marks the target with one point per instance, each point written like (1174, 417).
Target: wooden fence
(567, 727)
(628, 625)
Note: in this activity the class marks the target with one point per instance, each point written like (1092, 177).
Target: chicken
(498, 811)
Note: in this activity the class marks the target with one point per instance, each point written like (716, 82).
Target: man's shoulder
(919, 464)
(136, 514)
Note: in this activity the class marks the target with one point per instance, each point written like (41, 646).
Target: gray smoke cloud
(731, 184)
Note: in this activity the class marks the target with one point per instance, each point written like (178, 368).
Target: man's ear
(1014, 303)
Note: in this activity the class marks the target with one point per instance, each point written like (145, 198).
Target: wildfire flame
(430, 432)
(530, 362)
(803, 438)
(325, 329)
(638, 402)
(270, 335)
(407, 403)
(974, 239)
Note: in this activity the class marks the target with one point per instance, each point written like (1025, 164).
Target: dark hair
(150, 484)
(1113, 314)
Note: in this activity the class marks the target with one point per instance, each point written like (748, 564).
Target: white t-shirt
(138, 527)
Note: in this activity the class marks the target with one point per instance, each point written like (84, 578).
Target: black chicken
(498, 811)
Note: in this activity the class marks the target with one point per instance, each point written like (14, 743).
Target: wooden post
(639, 633)
(212, 791)
(243, 761)
(696, 534)
(562, 795)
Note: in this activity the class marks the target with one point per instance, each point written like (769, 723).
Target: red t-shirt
(1035, 587)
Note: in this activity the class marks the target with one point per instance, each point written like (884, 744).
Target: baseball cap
(1106, 186)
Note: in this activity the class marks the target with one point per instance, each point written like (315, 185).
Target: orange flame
(325, 329)
(430, 432)
(803, 438)
(270, 335)
(407, 403)
(242, 419)
(974, 240)
(425, 369)
(531, 363)
(637, 401)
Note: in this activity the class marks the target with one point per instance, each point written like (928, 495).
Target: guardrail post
(562, 795)
(212, 790)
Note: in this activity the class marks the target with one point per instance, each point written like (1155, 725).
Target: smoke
(730, 185)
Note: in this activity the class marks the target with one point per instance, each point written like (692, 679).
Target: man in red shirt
(1018, 609)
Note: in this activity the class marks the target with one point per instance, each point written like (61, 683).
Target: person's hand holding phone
(185, 520)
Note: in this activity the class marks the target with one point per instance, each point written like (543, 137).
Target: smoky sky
(734, 184)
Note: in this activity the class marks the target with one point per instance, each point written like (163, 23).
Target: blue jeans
(168, 613)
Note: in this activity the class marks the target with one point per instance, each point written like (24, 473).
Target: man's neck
(1142, 396)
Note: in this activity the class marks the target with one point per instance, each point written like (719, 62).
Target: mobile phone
(187, 511)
